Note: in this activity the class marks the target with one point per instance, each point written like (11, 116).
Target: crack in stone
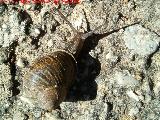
(12, 59)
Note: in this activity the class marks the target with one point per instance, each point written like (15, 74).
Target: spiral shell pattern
(49, 79)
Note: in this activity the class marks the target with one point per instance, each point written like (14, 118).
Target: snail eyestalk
(79, 37)
(65, 19)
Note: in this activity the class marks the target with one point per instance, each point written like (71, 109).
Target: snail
(50, 77)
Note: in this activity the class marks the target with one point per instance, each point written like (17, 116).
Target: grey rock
(124, 78)
(140, 40)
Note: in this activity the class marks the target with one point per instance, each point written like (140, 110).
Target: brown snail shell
(49, 79)
(47, 83)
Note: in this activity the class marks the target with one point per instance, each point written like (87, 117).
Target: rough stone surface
(141, 40)
(4, 55)
(5, 88)
(118, 74)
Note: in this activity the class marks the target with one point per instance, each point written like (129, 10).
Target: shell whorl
(49, 79)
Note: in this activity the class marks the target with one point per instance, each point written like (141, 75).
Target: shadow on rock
(85, 87)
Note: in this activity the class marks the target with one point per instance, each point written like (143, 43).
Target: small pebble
(124, 78)
(112, 57)
(20, 63)
(37, 113)
(132, 95)
(37, 31)
(50, 43)
(4, 27)
(133, 111)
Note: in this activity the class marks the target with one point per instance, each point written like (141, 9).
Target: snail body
(50, 77)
